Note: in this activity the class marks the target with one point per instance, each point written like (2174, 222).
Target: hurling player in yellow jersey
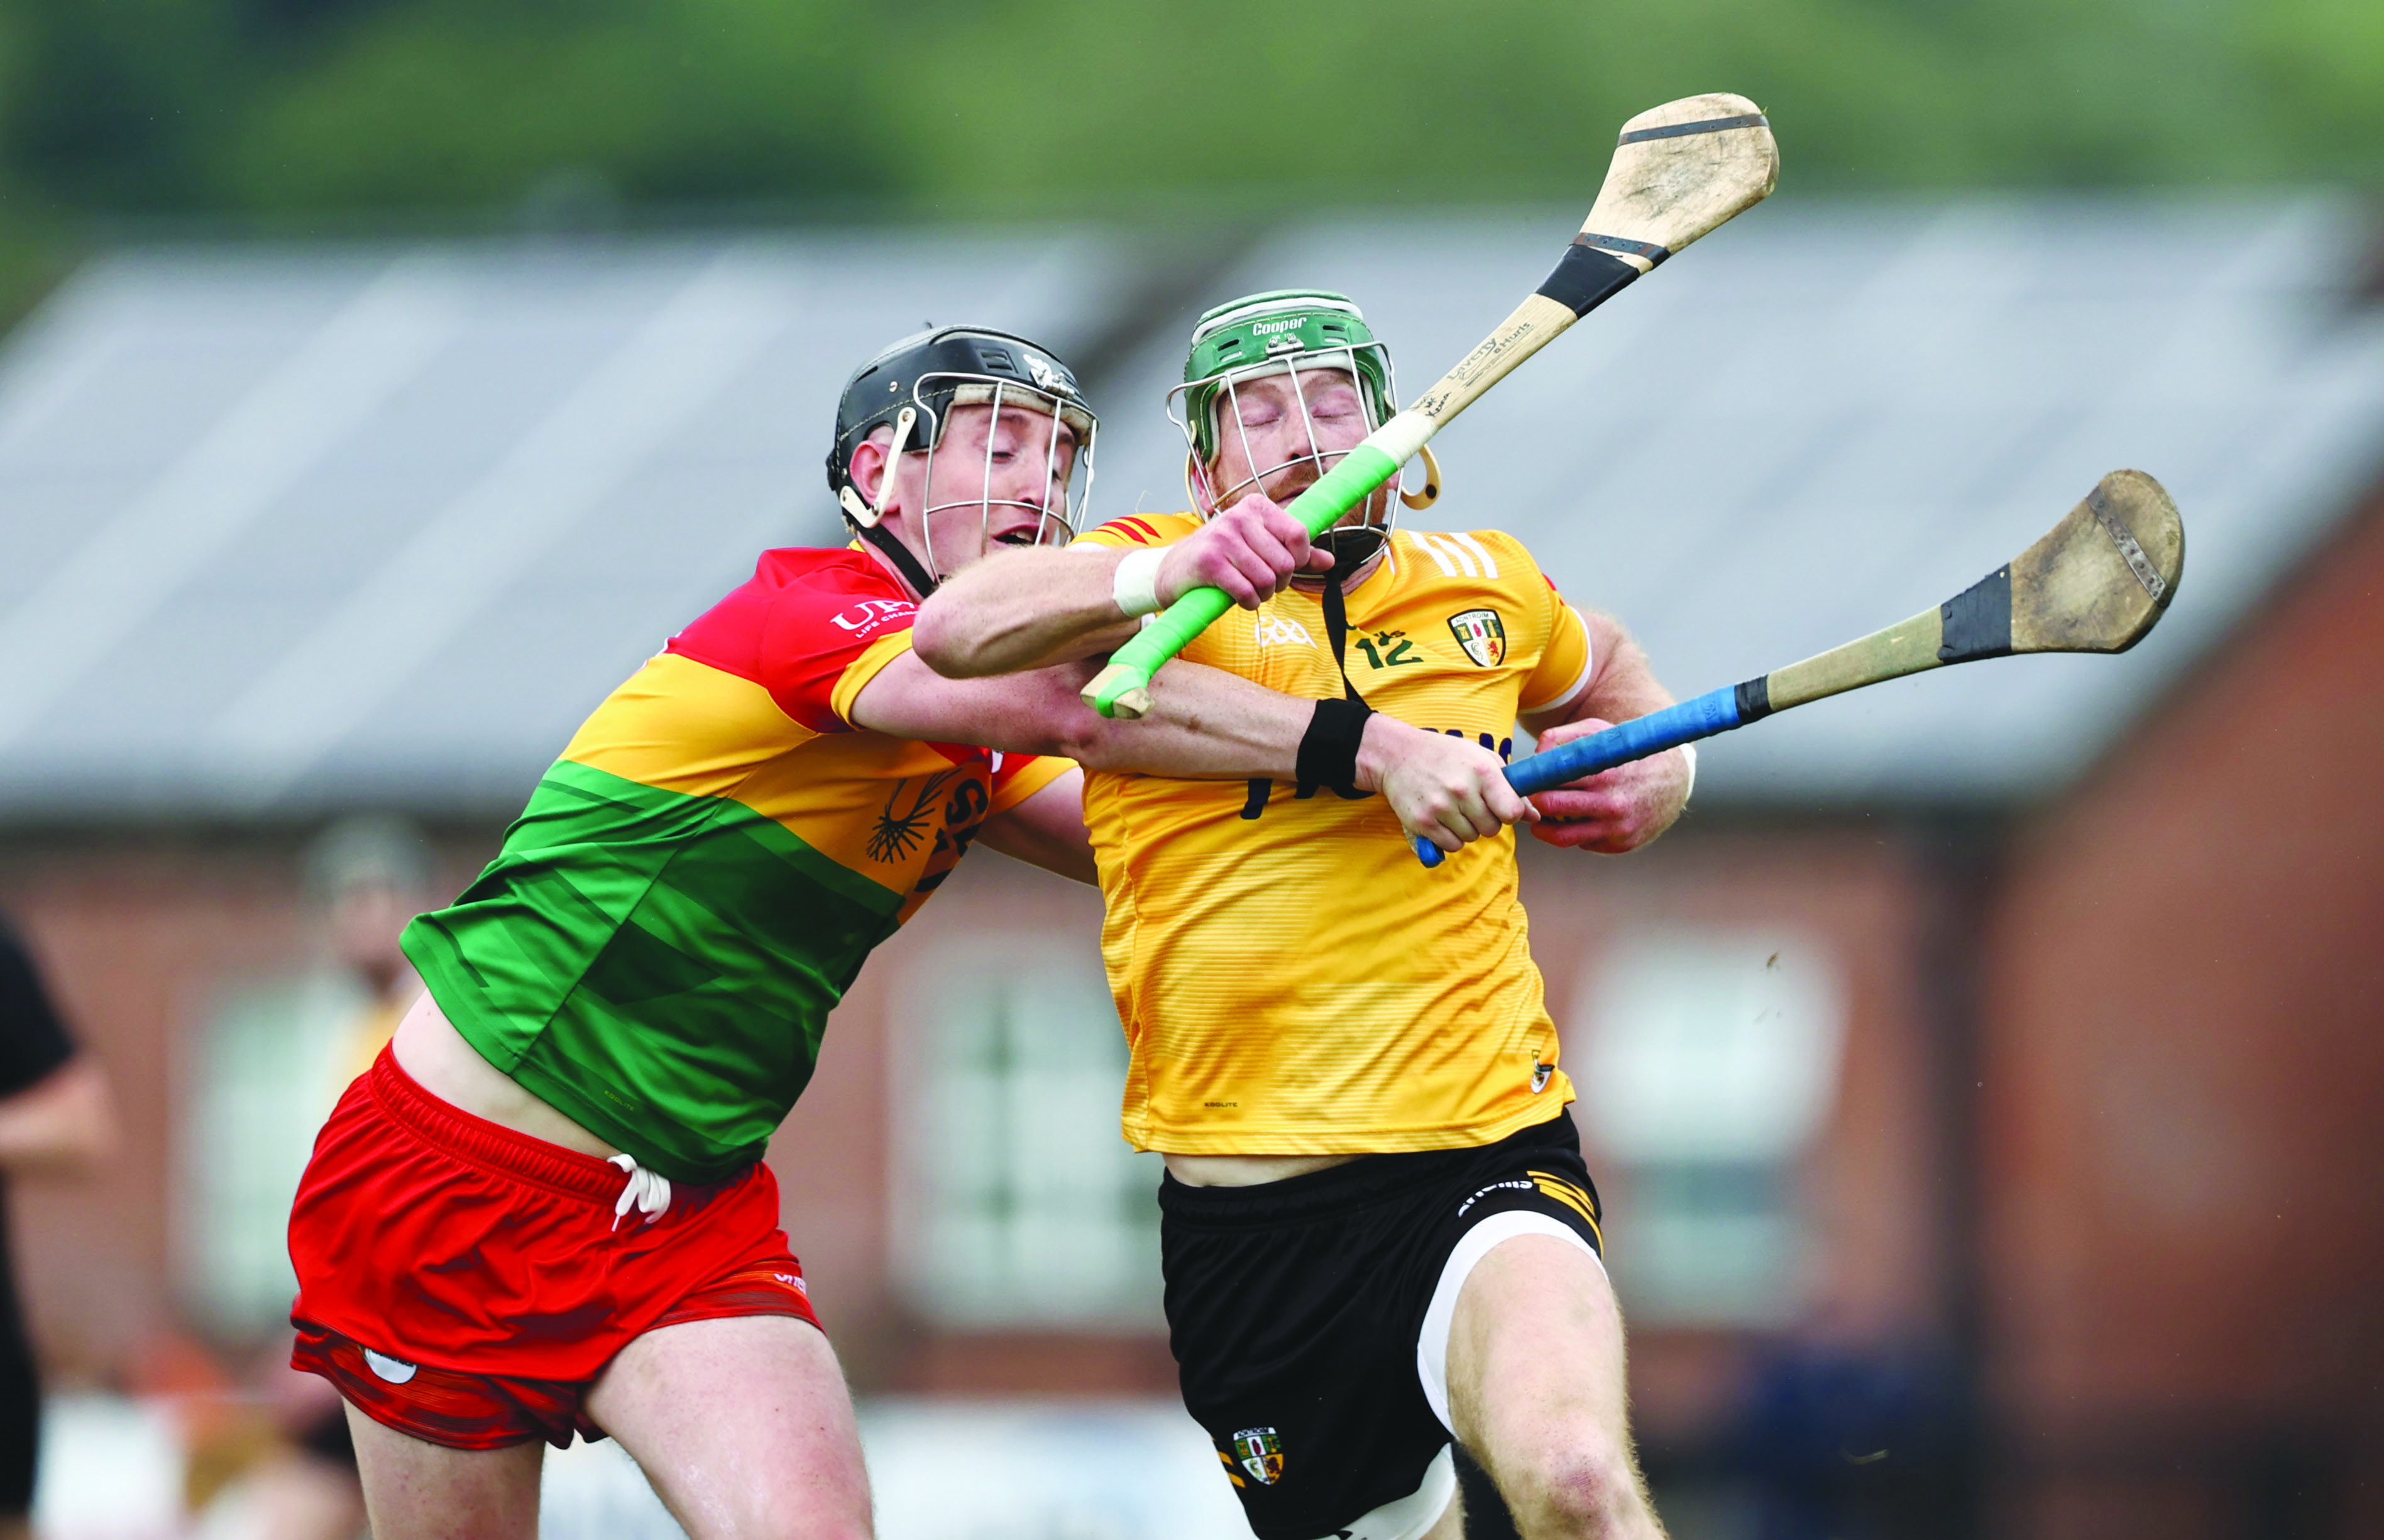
(1378, 1231)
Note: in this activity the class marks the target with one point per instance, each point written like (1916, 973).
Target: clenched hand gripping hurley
(2095, 583)
(1680, 171)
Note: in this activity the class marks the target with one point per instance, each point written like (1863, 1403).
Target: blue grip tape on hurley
(1714, 712)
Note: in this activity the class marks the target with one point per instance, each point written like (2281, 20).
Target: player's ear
(869, 468)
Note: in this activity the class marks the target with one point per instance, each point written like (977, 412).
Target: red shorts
(465, 1284)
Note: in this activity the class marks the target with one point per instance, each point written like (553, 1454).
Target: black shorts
(1294, 1310)
(20, 1429)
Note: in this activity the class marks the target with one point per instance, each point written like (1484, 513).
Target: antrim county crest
(1260, 1453)
(1482, 635)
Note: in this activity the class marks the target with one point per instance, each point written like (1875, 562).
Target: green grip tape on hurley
(1339, 489)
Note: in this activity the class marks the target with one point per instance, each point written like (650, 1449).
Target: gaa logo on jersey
(1270, 629)
(1260, 1453)
(1482, 635)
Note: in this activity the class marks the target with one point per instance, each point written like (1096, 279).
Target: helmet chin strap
(868, 518)
(1352, 546)
(899, 555)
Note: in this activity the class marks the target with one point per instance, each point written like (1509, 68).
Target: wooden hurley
(2095, 583)
(1679, 171)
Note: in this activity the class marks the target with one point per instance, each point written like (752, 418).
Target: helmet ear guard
(1429, 494)
(866, 515)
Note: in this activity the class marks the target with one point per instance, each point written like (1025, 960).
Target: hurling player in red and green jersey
(542, 1210)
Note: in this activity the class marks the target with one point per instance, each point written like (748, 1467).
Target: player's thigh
(1536, 1390)
(744, 1426)
(416, 1490)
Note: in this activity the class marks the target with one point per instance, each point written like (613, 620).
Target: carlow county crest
(1482, 635)
(1260, 1453)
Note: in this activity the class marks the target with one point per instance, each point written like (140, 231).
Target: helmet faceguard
(1302, 333)
(914, 387)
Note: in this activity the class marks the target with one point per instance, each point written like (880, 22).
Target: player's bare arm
(1621, 809)
(1047, 830)
(1029, 608)
(1014, 465)
(1213, 725)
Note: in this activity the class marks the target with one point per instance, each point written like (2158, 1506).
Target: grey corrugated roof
(296, 526)
(1825, 418)
(290, 527)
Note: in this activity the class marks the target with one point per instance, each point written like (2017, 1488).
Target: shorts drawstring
(649, 1191)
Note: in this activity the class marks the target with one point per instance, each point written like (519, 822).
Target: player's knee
(1574, 1489)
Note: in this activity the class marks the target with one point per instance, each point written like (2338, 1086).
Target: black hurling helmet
(912, 387)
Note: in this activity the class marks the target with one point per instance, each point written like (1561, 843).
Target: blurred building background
(1981, 1077)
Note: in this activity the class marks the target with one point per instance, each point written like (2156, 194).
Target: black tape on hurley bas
(1754, 700)
(1709, 125)
(1977, 621)
(1586, 277)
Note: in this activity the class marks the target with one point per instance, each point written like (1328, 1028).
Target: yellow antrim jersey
(1291, 978)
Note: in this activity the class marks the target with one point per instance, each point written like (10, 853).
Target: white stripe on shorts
(1431, 1342)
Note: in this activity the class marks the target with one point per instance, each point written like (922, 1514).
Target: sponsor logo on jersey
(1541, 1075)
(1502, 747)
(870, 614)
(1482, 635)
(792, 1282)
(903, 826)
(1278, 631)
(1259, 1451)
(395, 1371)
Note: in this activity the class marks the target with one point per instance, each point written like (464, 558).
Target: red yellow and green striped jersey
(656, 948)
(1291, 979)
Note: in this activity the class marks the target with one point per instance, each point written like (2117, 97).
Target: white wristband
(1135, 586)
(1689, 752)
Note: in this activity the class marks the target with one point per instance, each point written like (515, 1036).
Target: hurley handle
(1124, 687)
(1717, 711)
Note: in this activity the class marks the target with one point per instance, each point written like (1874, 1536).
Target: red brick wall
(1871, 1183)
(136, 933)
(2186, 1083)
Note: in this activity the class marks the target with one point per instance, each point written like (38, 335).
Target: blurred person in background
(57, 1119)
(370, 876)
(366, 878)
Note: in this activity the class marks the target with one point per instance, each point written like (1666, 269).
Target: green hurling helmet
(1267, 333)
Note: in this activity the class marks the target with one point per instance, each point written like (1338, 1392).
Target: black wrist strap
(1328, 751)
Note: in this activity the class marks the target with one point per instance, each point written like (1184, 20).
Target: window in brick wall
(1708, 1063)
(257, 1076)
(1016, 1204)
